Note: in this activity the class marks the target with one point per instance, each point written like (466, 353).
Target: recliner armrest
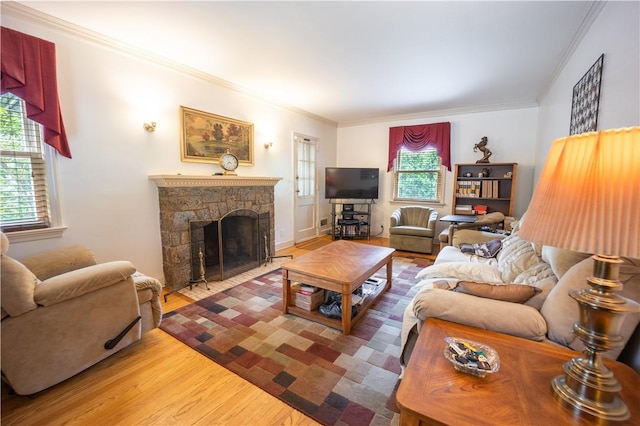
(395, 218)
(471, 236)
(82, 281)
(433, 219)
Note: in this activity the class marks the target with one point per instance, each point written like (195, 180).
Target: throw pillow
(488, 249)
(516, 293)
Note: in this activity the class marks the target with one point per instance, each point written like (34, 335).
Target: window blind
(24, 200)
(418, 175)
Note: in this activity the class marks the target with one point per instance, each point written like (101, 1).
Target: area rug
(333, 378)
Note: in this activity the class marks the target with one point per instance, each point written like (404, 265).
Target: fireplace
(229, 246)
(229, 218)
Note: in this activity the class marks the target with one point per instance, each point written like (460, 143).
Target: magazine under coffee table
(341, 266)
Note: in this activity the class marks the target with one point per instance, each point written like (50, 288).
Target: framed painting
(205, 137)
(586, 99)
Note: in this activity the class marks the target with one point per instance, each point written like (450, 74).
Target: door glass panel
(306, 169)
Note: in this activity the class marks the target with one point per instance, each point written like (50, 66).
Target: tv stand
(351, 219)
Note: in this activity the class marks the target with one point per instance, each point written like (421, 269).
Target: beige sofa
(536, 280)
(62, 313)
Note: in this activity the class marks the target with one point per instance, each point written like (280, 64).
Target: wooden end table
(432, 392)
(341, 266)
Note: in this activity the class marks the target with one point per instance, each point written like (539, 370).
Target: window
(418, 176)
(24, 199)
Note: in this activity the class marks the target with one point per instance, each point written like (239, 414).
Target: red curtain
(29, 72)
(415, 138)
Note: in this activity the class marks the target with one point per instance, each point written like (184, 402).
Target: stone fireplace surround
(184, 199)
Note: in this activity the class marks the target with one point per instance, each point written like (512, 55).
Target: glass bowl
(471, 357)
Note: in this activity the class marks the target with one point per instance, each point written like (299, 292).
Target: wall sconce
(149, 126)
(268, 145)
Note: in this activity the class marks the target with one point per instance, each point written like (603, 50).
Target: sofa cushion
(462, 270)
(415, 231)
(515, 293)
(561, 260)
(487, 250)
(18, 286)
(503, 317)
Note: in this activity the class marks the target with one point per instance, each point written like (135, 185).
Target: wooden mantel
(168, 181)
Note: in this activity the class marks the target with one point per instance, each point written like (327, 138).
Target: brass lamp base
(600, 399)
(588, 385)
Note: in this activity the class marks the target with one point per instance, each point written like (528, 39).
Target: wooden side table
(459, 218)
(432, 392)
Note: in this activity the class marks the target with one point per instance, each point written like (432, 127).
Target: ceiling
(353, 62)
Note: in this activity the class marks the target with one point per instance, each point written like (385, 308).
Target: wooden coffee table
(432, 392)
(341, 266)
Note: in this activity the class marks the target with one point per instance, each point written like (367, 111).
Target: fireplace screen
(228, 246)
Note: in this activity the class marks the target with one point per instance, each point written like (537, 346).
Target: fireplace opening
(228, 246)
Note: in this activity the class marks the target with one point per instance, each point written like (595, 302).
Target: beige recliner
(489, 220)
(412, 228)
(62, 313)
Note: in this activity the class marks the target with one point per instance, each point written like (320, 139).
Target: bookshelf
(492, 193)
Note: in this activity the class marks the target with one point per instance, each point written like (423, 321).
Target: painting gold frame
(204, 137)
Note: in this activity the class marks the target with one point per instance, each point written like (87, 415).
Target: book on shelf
(480, 209)
(464, 209)
(468, 188)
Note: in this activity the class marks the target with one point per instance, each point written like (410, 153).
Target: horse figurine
(482, 146)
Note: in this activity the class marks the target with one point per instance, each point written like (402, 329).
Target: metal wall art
(586, 98)
(205, 137)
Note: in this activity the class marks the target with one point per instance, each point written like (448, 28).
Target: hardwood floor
(157, 381)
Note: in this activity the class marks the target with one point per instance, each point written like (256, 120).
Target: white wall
(511, 135)
(616, 33)
(108, 202)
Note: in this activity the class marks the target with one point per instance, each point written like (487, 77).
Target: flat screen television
(351, 182)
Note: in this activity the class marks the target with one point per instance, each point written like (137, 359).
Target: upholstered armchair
(62, 313)
(489, 220)
(412, 228)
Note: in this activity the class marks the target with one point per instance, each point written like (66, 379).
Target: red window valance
(415, 138)
(29, 72)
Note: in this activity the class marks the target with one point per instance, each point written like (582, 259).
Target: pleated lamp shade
(588, 195)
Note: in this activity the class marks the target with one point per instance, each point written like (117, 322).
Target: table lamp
(588, 200)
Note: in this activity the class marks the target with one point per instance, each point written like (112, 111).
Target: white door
(306, 226)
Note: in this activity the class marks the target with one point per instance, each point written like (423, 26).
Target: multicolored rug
(333, 378)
